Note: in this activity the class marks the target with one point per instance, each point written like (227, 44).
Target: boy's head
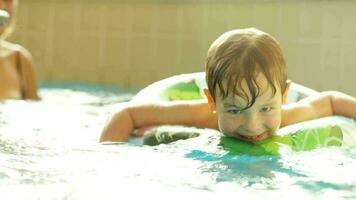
(245, 73)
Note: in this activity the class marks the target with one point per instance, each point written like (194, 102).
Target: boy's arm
(130, 116)
(320, 105)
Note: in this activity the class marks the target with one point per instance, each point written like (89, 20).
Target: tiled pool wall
(133, 43)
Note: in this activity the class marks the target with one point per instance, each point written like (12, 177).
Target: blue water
(49, 150)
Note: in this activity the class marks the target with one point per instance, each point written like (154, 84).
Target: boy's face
(256, 123)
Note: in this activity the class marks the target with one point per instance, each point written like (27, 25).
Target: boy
(247, 85)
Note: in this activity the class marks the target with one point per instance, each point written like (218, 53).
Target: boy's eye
(234, 111)
(266, 109)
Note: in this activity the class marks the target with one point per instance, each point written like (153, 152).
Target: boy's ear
(285, 93)
(211, 101)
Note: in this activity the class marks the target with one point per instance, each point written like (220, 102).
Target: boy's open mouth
(255, 138)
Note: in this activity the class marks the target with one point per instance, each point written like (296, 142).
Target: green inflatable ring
(333, 131)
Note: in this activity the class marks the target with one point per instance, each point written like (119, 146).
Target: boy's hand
(119, 128)
(142, 131)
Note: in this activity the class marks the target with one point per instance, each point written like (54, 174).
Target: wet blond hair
(243, 54)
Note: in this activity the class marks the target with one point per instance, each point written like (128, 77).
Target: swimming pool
(50, 150)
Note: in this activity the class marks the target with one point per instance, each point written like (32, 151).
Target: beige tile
(115, 74)
(348, 84)
(87, 51)
(192, 56)
(166, 74)
(118, 17)
(23, 12)
(266, 17)
(141, 42)
(331, 54)
(192, 19)
(140, 78)
(64, 73)
(165, 19)
(239, 15)
(141, 52)
(66, 18)
(332, 20)
(302, 66)
(348, 81)
(348, 56)
(64, 51)
(17, 37)
(290, 19)
(311, 18)
(143, 15)
(291, 50)
(217, 20)
(42, 74)
(349, 29)
(115, 51)
(166, 55)
(88, 75)
(38, 18)
(348, 20)
(333, 68)
(91, 17)
(330, 80)
(23, 8)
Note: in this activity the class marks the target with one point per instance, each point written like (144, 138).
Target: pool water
(50, 150)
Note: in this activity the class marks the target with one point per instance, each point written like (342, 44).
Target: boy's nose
(252, 125)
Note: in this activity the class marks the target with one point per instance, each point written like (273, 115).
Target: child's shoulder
(10, 48)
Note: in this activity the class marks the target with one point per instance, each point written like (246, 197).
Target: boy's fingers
(141, 131)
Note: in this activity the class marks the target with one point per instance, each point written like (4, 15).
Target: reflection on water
(49, 150)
